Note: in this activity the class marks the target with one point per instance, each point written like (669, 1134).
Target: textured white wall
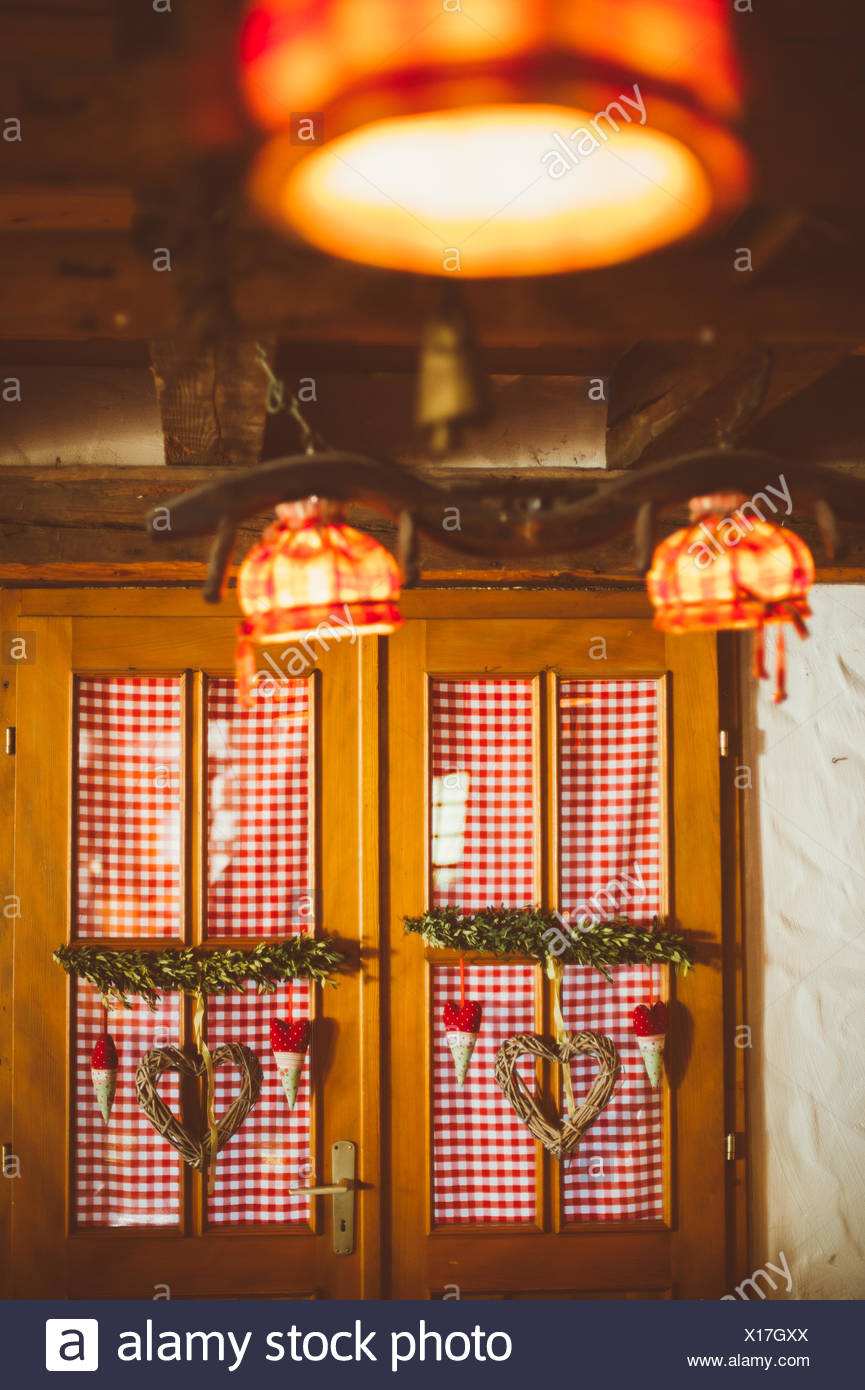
(805, 899)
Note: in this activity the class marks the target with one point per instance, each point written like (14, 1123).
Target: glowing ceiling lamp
(311, 573)
(503, 137)
(732, 569)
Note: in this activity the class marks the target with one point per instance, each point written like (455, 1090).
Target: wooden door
(152, 812)
(583, 758)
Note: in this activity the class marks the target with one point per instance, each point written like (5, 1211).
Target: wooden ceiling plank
(75, 207)
(94, 516)
(80, 285)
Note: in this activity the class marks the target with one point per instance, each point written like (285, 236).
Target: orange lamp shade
(503, 137)
(732, 568)
(310, 574)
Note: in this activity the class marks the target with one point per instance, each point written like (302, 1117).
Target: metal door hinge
(732, 1147)
(723, 742)
(10, 740)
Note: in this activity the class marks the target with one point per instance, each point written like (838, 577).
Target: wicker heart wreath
(196, 1152)
(560, 1138)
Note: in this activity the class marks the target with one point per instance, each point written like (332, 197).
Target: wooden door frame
(10, 603)
(19, 604)
(694, 687)
(132, 634)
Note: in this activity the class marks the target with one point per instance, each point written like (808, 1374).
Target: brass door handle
(330, 1191)
(343, 1174)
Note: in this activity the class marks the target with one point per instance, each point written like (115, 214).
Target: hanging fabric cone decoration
(103, 1073)
(289, 1041)
(462, 1023)
(650, 1026)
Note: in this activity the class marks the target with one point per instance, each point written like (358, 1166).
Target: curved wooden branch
(514, 519)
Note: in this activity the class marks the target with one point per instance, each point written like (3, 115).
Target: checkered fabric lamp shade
(308, 570)
(732, 569)
(311, 568)
(729, 569)
(402, 129)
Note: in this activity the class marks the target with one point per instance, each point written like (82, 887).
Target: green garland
(530, 931)
(117, 974)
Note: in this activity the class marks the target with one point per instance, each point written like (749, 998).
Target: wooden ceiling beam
(212, 401)
(300, 359)
(87, 525)
(668, 400)
(79, 285)
(825, 420)
(658, 390)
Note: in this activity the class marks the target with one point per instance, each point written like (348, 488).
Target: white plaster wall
(82, 415)
(805, 942)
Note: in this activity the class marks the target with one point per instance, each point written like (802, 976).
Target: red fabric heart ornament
(290, 1035)
(650, 1019)
(463, 1018)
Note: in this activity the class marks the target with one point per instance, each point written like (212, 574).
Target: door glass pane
(611, 865)
(270, 1153)
(129, 780)
(617, 1173)
(483, 840)
(124, 1173)
(259, 802)
(483, 1156)
(609, 799)
(483, 853)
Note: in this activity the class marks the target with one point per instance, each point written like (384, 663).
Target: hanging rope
(310, 438)
(759, 654)
(556, 972)
(210, 1099)
(780, 692)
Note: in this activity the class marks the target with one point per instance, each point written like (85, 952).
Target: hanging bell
(453, 390)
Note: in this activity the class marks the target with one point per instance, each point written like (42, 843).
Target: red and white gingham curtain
(129, 851)
(609, 827)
